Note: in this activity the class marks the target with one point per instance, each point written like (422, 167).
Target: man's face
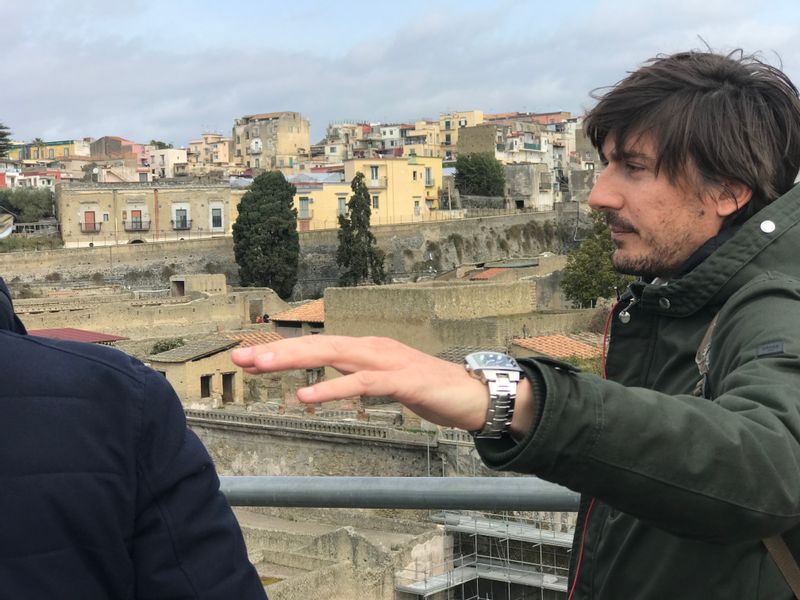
(656, 225)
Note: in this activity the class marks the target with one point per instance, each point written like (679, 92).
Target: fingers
(345, 354)
(363, 383)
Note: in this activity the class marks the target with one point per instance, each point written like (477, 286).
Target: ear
(730, 197)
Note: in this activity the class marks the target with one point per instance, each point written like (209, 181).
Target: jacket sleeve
(726, 469)
(187, 543)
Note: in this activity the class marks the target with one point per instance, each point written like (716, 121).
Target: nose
(604, 194)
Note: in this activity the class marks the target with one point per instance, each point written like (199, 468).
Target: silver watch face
(478, 361)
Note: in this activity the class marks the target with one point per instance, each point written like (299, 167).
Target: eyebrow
(618, 156)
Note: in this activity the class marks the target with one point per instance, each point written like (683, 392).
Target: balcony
(181, 224)
(90, 227)
(305, 214)
(537, 147)
(380, 182)
(136, 225)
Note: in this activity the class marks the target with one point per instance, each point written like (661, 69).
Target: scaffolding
(507, 556)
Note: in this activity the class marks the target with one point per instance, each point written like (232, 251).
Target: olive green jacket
(684, 487)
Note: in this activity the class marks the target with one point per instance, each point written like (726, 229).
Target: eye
(633, 167)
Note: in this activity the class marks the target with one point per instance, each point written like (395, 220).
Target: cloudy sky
(169, 70)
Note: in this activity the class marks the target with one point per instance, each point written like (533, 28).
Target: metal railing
(136, 225)
(181, 224)
(90, 227)
(449, 493)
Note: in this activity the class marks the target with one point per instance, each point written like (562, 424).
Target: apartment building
(42, 151)
(402, 190)
(89, 215)
(450, 124)
(422, 139)
(517, 143)
(271, 141)
(211, 152)
(166, 163)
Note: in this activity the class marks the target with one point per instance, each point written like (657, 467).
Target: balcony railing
(380, 182)
(305, 214)
(446, 493)
(180, 224)
(136, 225)
(90, 227)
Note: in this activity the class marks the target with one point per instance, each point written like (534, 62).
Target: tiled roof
(456, 354)
(254, 338)
(558, 346)
(310, 312)
(193, 351)
(76, 335)
(486, 274)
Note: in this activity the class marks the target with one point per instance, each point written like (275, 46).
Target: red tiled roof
(76, 335)
(558, 346)
(486, 274)
(310, 312)
(254, 338)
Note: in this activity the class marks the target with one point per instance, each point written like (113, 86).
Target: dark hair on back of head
(734, 117)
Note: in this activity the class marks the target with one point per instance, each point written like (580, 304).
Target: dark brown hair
(734, 117)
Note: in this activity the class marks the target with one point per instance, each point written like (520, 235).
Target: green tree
(480, 174)
(28, 205)
(266, 244)
(159, 144)
(589, 273)
(5, 140)
(358, 253)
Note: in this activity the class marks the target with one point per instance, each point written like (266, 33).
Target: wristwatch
(502, 374)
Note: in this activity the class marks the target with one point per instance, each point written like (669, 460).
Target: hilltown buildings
(271, 141)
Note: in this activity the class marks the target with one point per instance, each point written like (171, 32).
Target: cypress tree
(358, 254)
(266, 244)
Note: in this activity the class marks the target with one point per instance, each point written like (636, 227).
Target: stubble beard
(660, 261)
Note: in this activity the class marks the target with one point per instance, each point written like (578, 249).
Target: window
(462, 122)
(375, 201)
(258, 163)
(216, 218)
(414, 175)
(35, 154)
(416, 207)
(305, 212)
(373, 173)
(205, 386)
(105, 217)
(447, 139)
(181, 218)
(447, 124)
(332, 150)
(51, 153)
(342, 208)
(66, 151)
(428, 176)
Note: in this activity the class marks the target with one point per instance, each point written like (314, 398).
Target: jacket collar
(9, 321)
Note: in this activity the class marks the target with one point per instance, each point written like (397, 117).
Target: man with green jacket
(682, 472)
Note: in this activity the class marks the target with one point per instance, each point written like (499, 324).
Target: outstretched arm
(438, 391)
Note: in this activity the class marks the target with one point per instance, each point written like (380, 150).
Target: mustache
(617, 223)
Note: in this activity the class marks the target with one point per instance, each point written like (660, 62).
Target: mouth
(618, 226)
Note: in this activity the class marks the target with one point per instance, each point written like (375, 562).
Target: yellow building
(271, 141)
(41, 151)
(423, 140)
(450, 123)
(211, 152)
(402, 190)
(102, 215)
